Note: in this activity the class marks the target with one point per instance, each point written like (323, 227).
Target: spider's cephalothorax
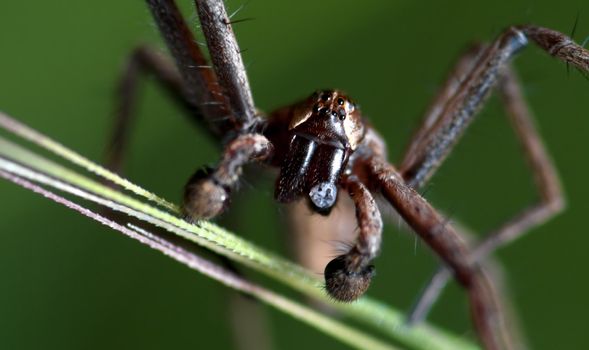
(323, 130)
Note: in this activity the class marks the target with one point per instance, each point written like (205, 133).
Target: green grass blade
(31, 135)
(336, 329)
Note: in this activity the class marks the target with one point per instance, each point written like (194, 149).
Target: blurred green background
(69, 283)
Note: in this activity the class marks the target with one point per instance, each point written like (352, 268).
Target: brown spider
(323, 145)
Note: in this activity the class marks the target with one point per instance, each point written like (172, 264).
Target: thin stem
(31, 135)
(332, 327)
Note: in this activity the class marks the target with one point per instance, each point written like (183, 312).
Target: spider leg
(207, 192)
(443, 127)
(214, 189)
(143, 61)
(546, 178)
(550, 203)
(147, 61)
(222, 95)
(349, 275)
(465, 64)
(461, 106)
(441, 237)
(226, 58)
(201, 83)
(192, 82)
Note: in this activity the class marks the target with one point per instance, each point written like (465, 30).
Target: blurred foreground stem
(30, 170)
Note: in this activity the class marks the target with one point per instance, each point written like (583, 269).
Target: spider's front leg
(222, 96)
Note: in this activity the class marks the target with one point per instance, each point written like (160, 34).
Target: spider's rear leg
(429, 149)
(207, 192)
(143, 61)
(550, 203)
(430, 120)
(443, 239)
(348, 276)
(431, 146)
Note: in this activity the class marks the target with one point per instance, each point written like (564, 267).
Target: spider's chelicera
(320, 133)
(323, 148)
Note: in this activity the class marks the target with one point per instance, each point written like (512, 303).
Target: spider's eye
(325, 96)
(340, 101)
(342, 114)
(316, 108)
(324, 111)
(334, 114)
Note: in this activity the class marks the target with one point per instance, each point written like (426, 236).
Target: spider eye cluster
(340, 113)
(332, 103)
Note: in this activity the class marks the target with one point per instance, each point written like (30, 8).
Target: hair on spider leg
(245, 182)
(193, 19)
(574, 29)
(339, 247)
(425, 189)
(447, 220)
(212, 103)
(572, 36)
(324, 287)
(241, 20)
(583, 73)
(585, 41)
(236, 11)
(218, 93)
(248, 65)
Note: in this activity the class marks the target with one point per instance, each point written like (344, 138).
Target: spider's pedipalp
(204, 198)
(343, 282)
(348, 276)
(207, 193)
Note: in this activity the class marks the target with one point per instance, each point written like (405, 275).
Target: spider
(323, 148)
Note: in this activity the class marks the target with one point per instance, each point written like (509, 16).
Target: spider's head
(324, 130)
(329, 117)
